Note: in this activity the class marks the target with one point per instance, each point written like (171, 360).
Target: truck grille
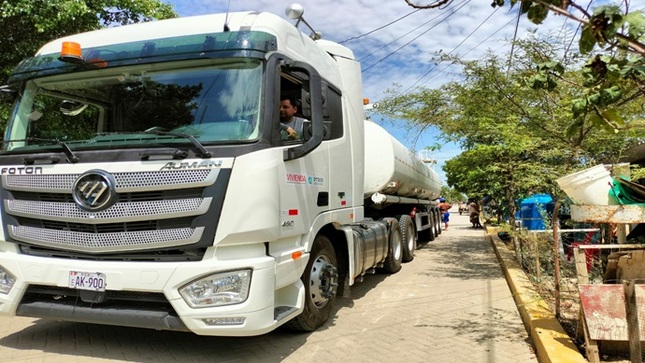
(155, 211)
(124, 181)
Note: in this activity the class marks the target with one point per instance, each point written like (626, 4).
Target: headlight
(225, 288)
(6, 281)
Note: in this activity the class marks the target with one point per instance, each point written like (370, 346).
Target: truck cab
(145, 182)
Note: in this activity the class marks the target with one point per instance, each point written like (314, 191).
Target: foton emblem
(94, 191)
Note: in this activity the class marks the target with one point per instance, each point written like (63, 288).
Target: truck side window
(295, 86)
(332, 112)
(293, 119)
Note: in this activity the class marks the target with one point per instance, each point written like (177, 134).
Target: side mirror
(72, 108)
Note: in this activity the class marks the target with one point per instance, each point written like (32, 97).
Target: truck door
(304, 185)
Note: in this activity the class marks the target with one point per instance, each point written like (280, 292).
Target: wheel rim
(323, 281)
(410, 236)
(397, 246)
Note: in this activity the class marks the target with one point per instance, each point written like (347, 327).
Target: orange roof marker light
(71, 53)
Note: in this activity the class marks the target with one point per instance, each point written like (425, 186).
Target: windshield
(214, 102)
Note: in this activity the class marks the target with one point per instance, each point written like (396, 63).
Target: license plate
(94, 281)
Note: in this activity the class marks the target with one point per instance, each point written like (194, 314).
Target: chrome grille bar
(106, 242)
(120, 212)
(125, 182)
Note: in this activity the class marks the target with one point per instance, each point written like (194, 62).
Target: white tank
(392, 169)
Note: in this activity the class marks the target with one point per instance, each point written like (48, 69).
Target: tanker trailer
(397, 183)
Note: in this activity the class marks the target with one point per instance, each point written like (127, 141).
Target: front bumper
(264, 310)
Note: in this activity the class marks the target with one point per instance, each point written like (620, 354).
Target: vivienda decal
(296, 178)
(303, 179)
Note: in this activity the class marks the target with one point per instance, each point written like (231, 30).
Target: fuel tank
(392, 169)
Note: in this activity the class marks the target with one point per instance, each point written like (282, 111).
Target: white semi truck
(144, 181)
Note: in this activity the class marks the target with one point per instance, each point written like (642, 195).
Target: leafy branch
(607, 27)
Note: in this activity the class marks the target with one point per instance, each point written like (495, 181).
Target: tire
(321, 284)
(408, 237)
(392, 263)
(435, 220)
(439, 220)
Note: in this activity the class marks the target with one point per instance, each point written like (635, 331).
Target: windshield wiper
(69, 154)
(203, 153)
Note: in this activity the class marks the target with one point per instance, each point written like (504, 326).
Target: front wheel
(321, 284)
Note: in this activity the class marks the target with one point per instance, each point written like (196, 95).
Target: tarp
(624, 191)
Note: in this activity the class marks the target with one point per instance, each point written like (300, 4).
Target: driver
(291, 126)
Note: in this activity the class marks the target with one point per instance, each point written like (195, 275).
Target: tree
(517, 139)
(616, 31)
(28, 24)
(452, 196)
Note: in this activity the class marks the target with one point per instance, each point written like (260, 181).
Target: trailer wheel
(439, 220)
(394, 257)
(408, 236)
(321, 284)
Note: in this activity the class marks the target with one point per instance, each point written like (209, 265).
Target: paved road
(451, 304)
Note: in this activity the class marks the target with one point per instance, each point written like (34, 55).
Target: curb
(552, 343)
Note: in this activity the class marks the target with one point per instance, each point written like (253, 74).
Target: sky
(397, 44)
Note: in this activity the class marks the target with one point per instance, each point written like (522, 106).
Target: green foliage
(637, 173)
(610, 78)
(607, 82)
(602, 27)
(546, 75)
(452, 196)
(636, 22)
(537, 13)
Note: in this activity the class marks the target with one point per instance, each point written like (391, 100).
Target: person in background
(291, 126)
(473, 212)
(444, 208)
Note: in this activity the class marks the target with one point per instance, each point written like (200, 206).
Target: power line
(575, 34)
(517, 25)
(488, 37)
(443, 70)
(455, 48)
(397, 39)
(417, 37)
(379, 28)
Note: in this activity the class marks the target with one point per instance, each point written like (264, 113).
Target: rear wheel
(408, 236)
(394, 257)
(321, 284)
(439, 219)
